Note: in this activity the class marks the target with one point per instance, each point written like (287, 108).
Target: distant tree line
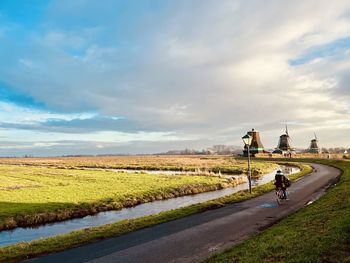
(336, 150)
(219, 149)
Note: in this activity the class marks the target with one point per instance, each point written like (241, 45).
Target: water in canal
(10, 237)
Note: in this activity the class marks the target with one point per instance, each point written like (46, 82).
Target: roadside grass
(23, 251)
(35, 195)
(317, 233)
(223, 164)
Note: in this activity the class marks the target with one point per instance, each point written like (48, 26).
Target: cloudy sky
(148, 76)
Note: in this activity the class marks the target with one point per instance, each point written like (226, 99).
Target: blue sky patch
(28, 13)
(8, 94)
(328, 50)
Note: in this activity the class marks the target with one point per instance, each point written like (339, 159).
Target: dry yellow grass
(223, 164)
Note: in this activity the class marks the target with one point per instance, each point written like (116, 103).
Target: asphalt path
(196, 237)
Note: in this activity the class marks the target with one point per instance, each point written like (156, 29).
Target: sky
(147, 76)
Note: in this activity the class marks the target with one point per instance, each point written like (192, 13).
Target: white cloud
(204, 69)
(10, 112)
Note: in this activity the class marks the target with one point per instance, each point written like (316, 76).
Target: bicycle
(280, 196)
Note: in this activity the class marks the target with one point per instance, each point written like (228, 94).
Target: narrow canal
(17, 235)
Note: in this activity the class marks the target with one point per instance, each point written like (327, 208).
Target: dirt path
(194, 238)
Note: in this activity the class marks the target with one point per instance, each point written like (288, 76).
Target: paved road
(194, 238)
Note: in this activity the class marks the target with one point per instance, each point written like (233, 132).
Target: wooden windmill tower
(314, 148)
(256, 145)
(284, 144)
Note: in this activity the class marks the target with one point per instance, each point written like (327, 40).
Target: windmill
(314, 148)
(284, 143)
(256, 145)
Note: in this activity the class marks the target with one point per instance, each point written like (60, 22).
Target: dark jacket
(280, 180)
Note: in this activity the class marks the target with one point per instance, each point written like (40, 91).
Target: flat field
(35, 191)
(32, 195)
(224, 164)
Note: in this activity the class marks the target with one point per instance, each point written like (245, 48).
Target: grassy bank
(74, 239)
(35, 195)
(318, 233)
(223, 164)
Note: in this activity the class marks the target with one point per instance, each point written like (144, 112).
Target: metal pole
(249, 173)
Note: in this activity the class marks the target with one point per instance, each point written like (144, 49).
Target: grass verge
(59, 243)
(318, 233)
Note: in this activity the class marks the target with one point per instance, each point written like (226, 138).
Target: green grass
(33, 195)
(318, 233)
(27, 250)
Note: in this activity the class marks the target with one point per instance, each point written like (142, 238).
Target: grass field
(223, 164)
(34, 191)
(318, 233)
(33, 195)
(27, 250)
(38, 190)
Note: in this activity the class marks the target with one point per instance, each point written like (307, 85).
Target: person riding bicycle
(282, 182)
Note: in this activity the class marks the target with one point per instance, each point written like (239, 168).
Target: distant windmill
(314, 148)
(284, 143)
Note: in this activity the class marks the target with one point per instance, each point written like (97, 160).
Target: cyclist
(282, 182)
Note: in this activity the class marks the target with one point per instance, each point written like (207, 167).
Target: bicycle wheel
(279, 196)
